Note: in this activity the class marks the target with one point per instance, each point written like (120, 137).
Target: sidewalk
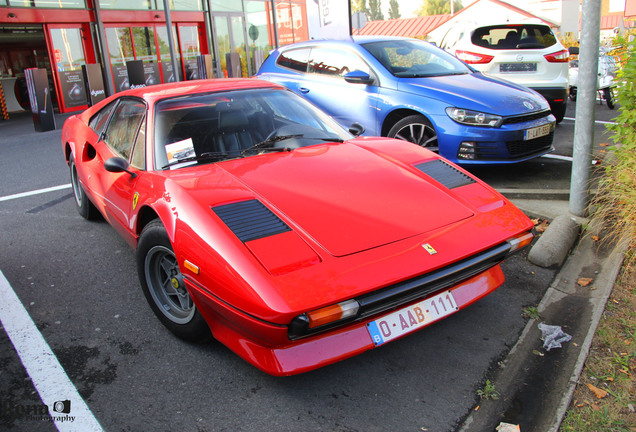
(536, 385)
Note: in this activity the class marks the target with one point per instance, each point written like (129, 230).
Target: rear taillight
(473, 58)
(562, 56)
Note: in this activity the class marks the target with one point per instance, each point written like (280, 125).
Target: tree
(438, 7)
(394, 9)
(361, 6)
(375, 11)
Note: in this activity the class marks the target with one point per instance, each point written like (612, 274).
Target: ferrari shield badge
(430, 249)
(135, 200)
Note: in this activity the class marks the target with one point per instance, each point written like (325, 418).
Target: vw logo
(519, 58)
(528, 105)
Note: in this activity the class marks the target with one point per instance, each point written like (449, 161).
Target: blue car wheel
(416, 129)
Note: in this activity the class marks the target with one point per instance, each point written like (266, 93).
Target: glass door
(68, 54)
(190, 45)
(120, 50)
(145, 48)
(230, 38)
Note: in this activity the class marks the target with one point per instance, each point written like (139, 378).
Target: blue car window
(414, 59)
(335, 62)
(295, 59)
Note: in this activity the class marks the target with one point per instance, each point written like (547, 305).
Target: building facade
(63, 35)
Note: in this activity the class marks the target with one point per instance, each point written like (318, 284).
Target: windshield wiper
(201, 157)
(273, 140)
(265, 145)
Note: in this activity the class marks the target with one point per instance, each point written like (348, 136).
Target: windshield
(415, 59)
(205, 128)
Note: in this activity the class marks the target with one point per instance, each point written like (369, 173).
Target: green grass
(611, 362)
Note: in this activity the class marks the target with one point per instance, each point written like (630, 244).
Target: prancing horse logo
(430, 249)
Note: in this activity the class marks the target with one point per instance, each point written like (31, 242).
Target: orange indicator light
(188, 265)
(332, 313)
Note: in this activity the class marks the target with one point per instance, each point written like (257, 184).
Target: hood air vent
(444, 173)
(250, 220)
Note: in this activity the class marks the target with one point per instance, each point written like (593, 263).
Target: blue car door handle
(303, 89)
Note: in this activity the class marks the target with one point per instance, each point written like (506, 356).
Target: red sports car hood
(347, 207)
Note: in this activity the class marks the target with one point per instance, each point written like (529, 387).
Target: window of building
(227, 5)
(169, 74)
(68, 54)
(50, 4)
(128, 4)
(259, 30)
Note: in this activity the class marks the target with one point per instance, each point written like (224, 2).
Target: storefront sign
(94, 83)
(40, 98)
(73, 88)
(136, 74)
(206, 68)
(191, 69)
(120, 76)
(168, 72)
(151, 73)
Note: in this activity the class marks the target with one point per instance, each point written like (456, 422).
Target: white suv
(526, 53)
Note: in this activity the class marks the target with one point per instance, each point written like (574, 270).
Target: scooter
(606, 74)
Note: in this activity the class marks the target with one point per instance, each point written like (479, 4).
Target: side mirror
(356, 129)
(117, 164)
(358, 77)
(574, 50)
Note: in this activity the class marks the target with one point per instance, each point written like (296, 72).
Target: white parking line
(596, 121)
(66, 407)
(35, 192)
(559, 157)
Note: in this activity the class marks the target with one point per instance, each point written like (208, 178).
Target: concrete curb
(604, 285)
(518, 368)
(552, 248)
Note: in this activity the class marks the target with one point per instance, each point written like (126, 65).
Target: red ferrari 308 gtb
(260, 221)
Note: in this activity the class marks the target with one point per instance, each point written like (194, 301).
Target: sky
(407, 7)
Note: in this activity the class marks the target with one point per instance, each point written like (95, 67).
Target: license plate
(411, 318)
(517, 67)
(537, 132)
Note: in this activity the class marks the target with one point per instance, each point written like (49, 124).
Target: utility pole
(585, 107)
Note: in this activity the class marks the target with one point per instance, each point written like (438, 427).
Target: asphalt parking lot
(77, 282)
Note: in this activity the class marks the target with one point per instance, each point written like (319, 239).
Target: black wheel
(85, 207)
(416, 129)
(558, 110)
(164, 288)
(608, 94)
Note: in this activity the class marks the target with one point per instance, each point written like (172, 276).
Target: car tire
(416, 129)
(163, 285)
(85, 207)
(608, 94)
(558, 110)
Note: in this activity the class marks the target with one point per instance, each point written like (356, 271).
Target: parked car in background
(260, 221)
(525, 53)
(411, 90)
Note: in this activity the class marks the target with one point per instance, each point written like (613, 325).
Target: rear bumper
(553, 95)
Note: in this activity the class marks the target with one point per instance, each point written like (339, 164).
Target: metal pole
(101, 33)
(275, 23)
(173, 55)
(585, 107)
